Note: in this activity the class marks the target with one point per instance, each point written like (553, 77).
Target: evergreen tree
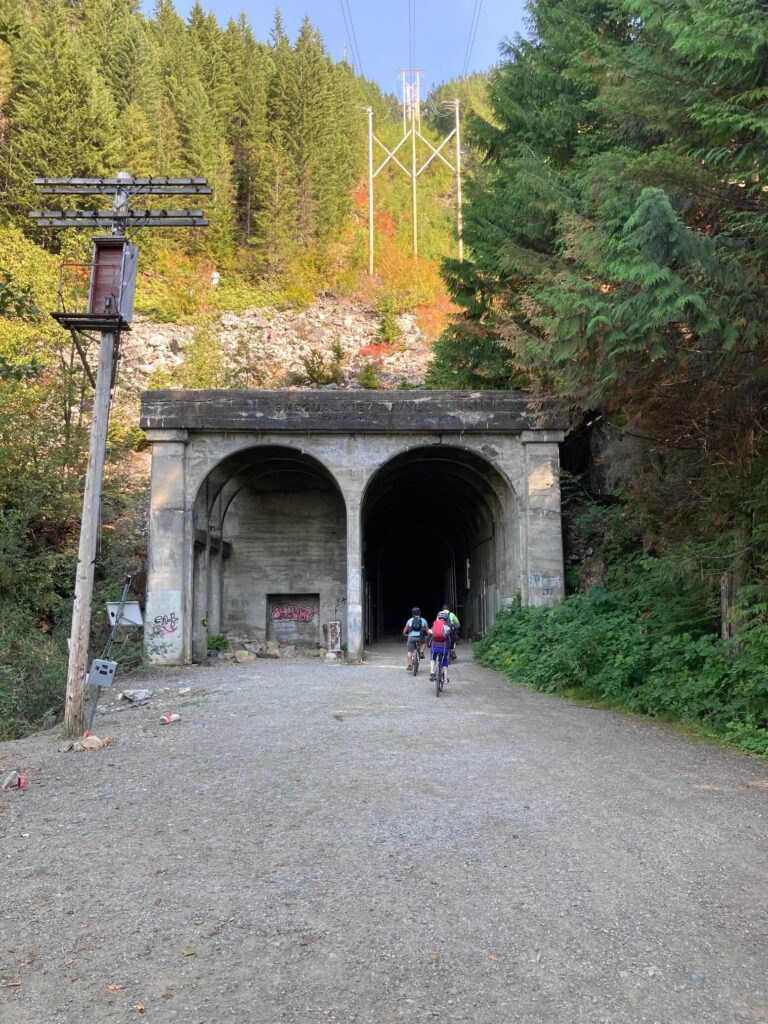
(616, 236)
(64, 119)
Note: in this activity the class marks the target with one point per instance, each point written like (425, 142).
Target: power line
(412, 33)
(472, 34)
(354, 38)
(346, 29)
(413, 59)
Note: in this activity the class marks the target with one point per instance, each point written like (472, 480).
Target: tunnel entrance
(439, 525)
(270, 549)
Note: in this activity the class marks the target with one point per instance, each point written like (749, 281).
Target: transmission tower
(411, 85)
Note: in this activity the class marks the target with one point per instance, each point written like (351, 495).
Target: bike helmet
(415, 611)
(443, 614)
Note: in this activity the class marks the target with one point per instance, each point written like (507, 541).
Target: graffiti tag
(292, 613)
(165, 624)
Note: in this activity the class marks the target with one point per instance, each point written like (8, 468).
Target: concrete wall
(287, 541)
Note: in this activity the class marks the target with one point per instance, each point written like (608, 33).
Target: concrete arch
(206, 466)
(449, 501)
(270, 531)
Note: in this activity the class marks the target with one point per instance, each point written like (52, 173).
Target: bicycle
(439, 666)
(416, 658)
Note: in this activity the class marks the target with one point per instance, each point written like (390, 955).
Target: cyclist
(454, 620)
(416, 630)
(441, 645)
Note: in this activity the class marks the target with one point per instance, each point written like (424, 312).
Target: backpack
(416, 624)
(439, 629)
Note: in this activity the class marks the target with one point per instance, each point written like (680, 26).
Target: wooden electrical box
(113, 278)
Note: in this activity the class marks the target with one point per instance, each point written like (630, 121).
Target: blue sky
(442, 30)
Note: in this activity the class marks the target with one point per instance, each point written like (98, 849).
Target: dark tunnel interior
(426, 514)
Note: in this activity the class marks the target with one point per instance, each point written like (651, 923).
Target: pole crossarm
(136, 186)
(126, 218)
(436, 152)
(391, 155)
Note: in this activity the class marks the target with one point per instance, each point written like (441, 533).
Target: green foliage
(275, 127)
(389, 328)
(600, 644)
(324, 368)
(15, 301)
(218, 642)
(368, 377)
(472, 94)
(33, 672)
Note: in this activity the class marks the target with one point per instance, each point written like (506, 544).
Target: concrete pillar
(355, 627)
(166, 630)
(542, 536)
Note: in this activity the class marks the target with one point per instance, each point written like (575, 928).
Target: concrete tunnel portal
(273, 514)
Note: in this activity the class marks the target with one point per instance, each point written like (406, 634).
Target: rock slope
(274, 348)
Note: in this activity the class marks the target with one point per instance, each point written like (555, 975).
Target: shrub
(218, 642)
(600, 644)
(389, 328)
(368, 377)
(322, 369)
(33, 673)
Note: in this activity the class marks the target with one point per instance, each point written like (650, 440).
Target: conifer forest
(615, 246)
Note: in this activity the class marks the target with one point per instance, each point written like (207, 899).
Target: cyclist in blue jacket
(416, 630)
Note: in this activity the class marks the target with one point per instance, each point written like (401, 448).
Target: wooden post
(413, 187)
(370, 191)
(459, 212)
(74, 711)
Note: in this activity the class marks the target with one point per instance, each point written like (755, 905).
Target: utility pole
(414, 176)
(110, 310)
(459, 212)
(412, 133)
(370, 191)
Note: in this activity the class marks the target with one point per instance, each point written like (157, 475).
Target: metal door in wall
(293, 618)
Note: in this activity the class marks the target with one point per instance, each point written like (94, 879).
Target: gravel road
(315, 843)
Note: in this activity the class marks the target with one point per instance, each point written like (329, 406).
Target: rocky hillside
(328, 344)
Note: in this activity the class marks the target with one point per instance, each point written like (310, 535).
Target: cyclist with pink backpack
(441, 645)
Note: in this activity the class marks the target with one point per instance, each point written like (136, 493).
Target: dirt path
(316, 843)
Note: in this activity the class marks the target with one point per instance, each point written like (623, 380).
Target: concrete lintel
(542, 436)
(348, 412)
(155, 436)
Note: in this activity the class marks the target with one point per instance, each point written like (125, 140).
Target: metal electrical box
(102, 672)
(113, 278)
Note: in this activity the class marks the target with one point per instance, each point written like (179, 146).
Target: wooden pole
(413, 187)
(459, 212)
(89, 530)
(370, 191)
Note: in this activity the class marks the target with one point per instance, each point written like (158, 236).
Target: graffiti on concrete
(292, 613)
(165, 625)
(334, 635)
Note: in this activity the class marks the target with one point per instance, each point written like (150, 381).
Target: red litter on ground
(16, 780)
(170, 717)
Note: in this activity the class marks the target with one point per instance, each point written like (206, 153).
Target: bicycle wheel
(438, 675)
(415, 661)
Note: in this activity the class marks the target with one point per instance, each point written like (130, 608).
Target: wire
(354, 38)
(472, 36)
(346, 29)
(413, 53)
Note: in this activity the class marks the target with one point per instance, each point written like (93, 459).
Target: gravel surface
(316, 843)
